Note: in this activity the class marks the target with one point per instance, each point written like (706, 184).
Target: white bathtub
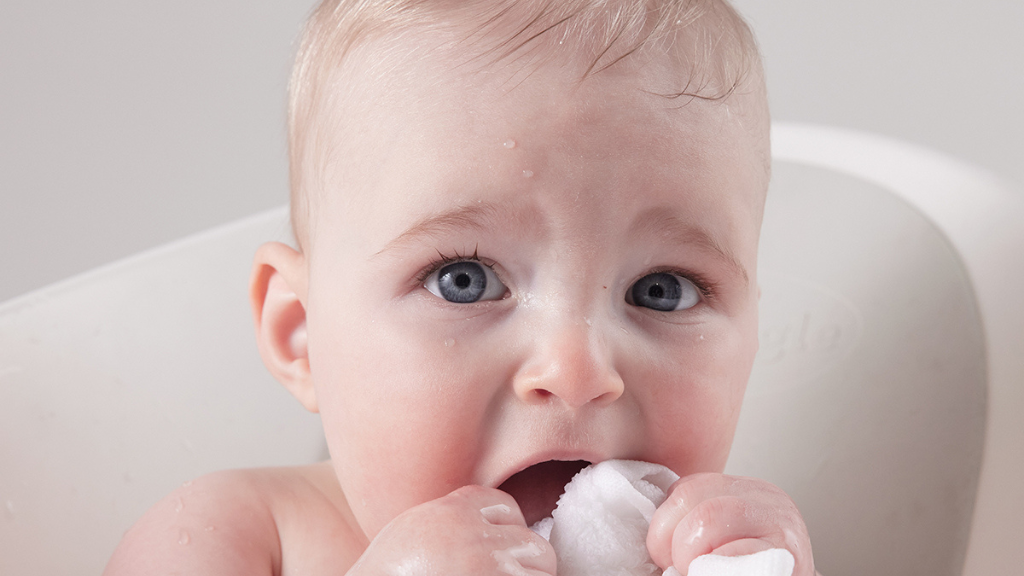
(885, 398)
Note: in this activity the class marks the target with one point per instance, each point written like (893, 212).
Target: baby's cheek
(397, 433)
(386, 479)
(693, 396)
(724, 362)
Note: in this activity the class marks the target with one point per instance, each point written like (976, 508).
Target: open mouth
(537, 488)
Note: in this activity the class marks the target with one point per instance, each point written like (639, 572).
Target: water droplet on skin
(184, 538)
(186, 484)
(510, 143)
(587, 320)
(179, 505)
(696, 535)
(527, 173)
(210, 528)
(701, 336)
(449, 343)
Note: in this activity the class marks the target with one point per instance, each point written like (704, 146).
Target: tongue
(537, 488)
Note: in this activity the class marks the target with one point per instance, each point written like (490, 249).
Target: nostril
(608, 397)
(543, 394)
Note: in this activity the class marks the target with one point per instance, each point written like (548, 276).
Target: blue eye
(465, 282)
(664, 292)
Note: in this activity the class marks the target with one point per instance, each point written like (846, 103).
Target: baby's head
(528, 235)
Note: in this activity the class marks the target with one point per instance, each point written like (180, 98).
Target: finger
(529, 552)
(521, 551)
(689, 492)
(732, 526)
(685, 494)
(751, 546)
(710, 525)
(780, 525)
(743, 547)
(493, 505)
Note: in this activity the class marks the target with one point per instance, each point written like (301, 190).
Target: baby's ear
(277, 293)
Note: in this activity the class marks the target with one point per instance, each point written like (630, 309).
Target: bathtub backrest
(887, 393)
(869, 388)
(883, 336)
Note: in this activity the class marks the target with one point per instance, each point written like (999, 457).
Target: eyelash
(707, 288)
(443, 259)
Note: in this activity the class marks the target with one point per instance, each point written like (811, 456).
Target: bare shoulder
(263, 521)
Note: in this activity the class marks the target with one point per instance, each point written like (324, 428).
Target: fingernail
(791, 539)
(495, 514)
(509, 559)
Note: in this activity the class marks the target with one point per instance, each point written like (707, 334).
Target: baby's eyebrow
(663, 222)
(658, 222)
(475, 217)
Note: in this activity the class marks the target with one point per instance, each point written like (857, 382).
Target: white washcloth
(599, 527)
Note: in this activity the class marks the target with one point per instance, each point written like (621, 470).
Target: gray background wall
(127, 124)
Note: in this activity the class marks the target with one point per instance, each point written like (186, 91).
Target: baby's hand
(729, 516)
(473, 531)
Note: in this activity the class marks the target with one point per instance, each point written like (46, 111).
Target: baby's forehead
(677, 52)
(429, 69)
(469, 137)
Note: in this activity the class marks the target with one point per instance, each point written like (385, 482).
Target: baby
(527, 240)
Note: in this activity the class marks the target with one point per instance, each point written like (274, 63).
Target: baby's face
(510, 272)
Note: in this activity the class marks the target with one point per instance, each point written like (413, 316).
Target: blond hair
(717, 44)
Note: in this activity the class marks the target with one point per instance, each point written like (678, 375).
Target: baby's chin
(537, 488)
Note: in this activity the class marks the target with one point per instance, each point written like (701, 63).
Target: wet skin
(565, 196)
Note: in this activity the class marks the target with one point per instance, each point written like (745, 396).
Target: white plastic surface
(867, 399)
(120, 384)
(984, 222)
(117, 385)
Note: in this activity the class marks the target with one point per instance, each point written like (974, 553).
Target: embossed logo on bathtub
(805, 330)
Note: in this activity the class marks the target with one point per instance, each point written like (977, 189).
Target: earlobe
(277, 293)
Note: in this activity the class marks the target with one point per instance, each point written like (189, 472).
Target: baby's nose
(571, 365)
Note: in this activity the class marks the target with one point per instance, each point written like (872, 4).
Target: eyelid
(695, 293)
(707, 288)
(443, 260)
